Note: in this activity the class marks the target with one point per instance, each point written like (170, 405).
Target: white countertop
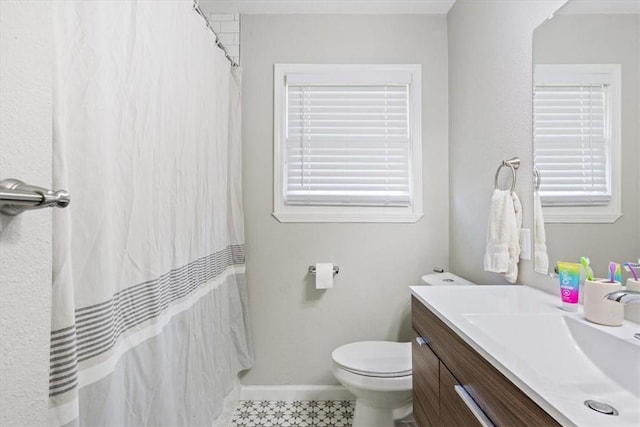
(555, 357)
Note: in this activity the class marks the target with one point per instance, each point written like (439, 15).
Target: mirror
(589, 33)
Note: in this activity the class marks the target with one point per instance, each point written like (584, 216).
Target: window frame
(586, 213)
(317, 213)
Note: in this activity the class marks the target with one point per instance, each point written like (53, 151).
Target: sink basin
(617, 358)
(559, 347)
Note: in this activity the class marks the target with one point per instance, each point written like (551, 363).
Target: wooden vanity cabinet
(445, 361)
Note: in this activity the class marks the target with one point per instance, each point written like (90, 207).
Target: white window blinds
(348, 140)
(572, 139)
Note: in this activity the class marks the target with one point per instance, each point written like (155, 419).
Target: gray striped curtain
(149, 322)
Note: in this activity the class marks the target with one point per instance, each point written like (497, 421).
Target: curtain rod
(196, 7)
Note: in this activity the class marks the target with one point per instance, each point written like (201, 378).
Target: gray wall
(611, 39)
(295, 327)
(26, 53)
(490, 86)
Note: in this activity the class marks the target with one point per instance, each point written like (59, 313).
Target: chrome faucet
(624, 297)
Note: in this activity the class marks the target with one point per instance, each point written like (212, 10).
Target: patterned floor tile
(299, 413)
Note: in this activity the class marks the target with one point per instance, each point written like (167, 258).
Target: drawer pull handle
(421, 341)
(473, 407)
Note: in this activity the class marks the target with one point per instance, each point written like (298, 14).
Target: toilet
(378, 373)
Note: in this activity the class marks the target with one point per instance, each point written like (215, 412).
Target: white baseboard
(295, 392)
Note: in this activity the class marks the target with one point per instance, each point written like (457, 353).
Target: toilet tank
(444, 279)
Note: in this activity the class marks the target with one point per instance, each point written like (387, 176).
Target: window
(347, 143)
(577, 141)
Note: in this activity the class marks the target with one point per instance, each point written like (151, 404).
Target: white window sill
(576, 217)
(379, 215)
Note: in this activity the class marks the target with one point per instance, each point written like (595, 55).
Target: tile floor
(299, 413)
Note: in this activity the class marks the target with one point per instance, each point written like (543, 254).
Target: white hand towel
(514, 241)
(501, 230)
(541, 259)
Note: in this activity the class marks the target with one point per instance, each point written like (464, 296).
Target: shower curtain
(149, 311)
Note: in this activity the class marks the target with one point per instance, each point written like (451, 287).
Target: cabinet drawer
(503, 402)
(456, 410)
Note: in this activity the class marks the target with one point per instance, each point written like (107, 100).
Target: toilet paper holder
(312, 270)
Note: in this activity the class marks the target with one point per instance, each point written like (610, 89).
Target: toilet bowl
(378, 373)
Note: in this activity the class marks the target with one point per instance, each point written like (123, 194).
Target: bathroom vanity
(508, 355)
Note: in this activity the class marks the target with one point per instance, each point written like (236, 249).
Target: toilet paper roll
(324, 275)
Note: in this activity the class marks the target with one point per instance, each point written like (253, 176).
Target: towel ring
(513, 164)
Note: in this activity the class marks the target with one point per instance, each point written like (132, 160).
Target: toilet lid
(375, 358)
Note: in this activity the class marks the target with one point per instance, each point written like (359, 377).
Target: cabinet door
(454, 410)
(426, 398)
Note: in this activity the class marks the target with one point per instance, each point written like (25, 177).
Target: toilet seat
(381, 359)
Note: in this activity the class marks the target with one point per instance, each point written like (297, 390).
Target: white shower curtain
(149, 322)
